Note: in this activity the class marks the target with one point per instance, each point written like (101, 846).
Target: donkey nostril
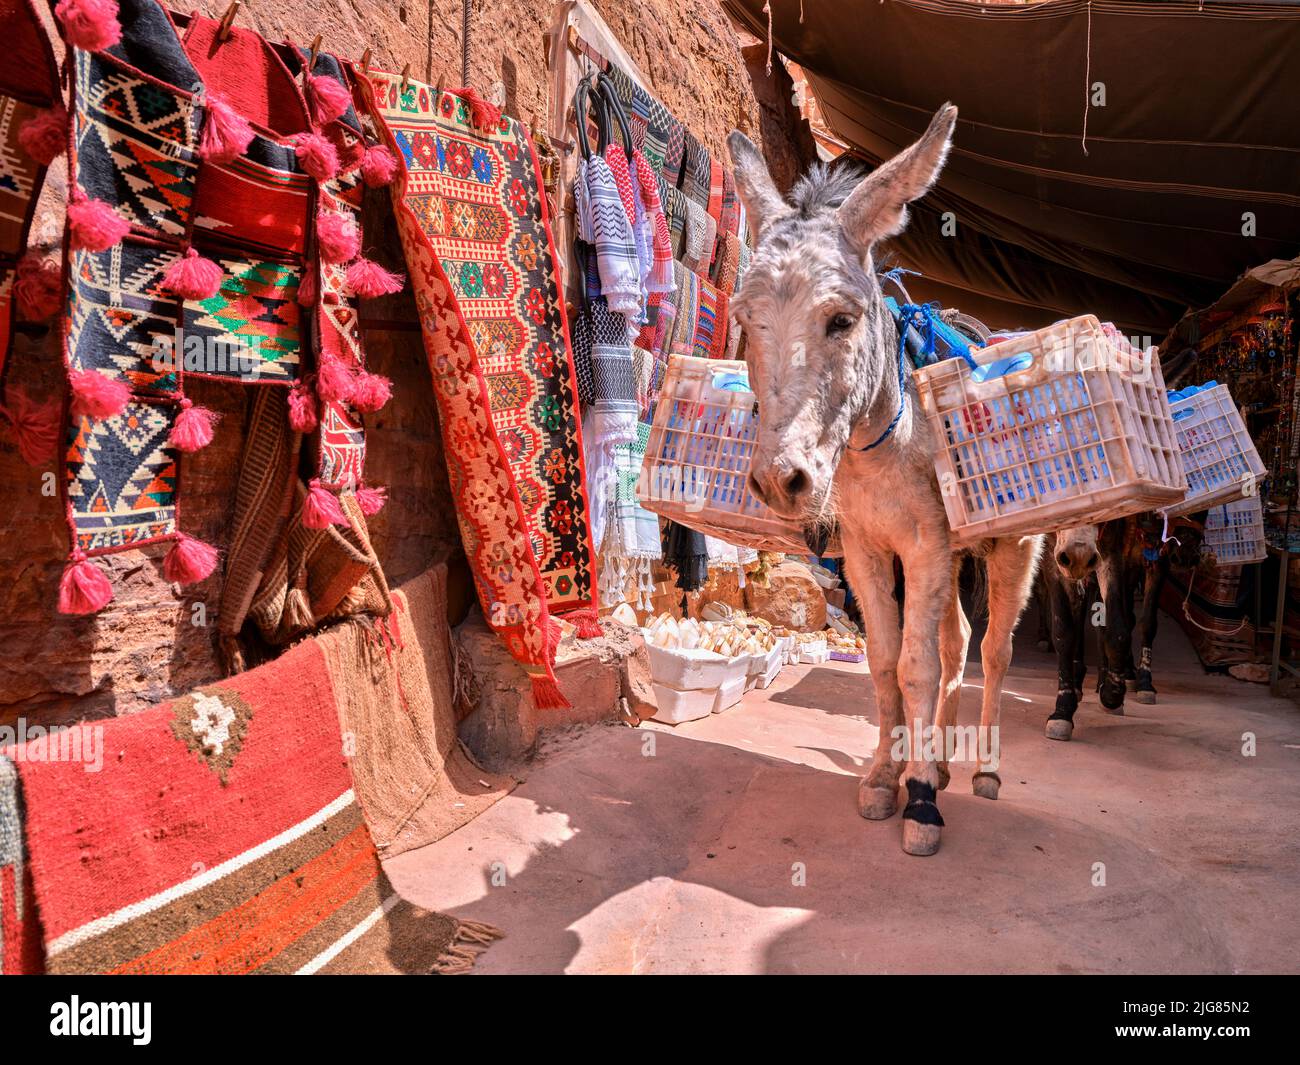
(796, 483)
(1062, 559)
(1092, 560)
(756, 489)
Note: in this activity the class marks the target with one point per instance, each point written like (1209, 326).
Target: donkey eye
(840, 323)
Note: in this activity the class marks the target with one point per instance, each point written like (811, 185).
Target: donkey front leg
(929, 575)
(1114, 637)
(954, 643)
(1010, 565)
(871, 577)
(1065, 621)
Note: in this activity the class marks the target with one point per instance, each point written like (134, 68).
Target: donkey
(1084, 555)
(1121, 556)
(842, 438)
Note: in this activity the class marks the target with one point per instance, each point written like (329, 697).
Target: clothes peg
(365, 61)
(228, 20)
(406, 77)
(312, 53)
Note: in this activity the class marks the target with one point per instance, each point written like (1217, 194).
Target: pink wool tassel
(83, 588)
(97, 396)
(327, 97)
(337, 236)
(192, 277)
(38, 287)
(307, 287)
(370, 391)
(226, 133)
(90, 25)
(94, 225)
(322, 508)
(45, 137)
(36, 427)
(334, 381)
(317, 156)
(193, 428)
(371, 500)
(379, 166)
(369, 280)
(302, 409)
(189, 560)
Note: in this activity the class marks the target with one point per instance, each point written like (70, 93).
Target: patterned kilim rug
(221, 834)
(479, 249)
(187, 223)
(28, 88)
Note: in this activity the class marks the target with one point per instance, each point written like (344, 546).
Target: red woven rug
(221, 835)
(482, 261)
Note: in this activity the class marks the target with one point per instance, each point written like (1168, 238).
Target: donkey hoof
(1058, 728)
(944, 775)
(876, 804)
(1130, 684)
(986, 785)
(1147, 698)
(920, 840)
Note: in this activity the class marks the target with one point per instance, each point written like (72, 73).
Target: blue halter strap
(931, 330)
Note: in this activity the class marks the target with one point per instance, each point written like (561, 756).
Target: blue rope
(921, 317)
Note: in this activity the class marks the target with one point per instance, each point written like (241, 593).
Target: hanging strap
(923, 318)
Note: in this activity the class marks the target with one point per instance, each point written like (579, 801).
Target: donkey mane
(825, 187)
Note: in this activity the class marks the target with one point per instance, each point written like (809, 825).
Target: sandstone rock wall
(144, 646)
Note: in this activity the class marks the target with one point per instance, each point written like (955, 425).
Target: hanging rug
(479, 249)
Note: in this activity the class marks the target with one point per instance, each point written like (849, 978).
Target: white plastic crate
(1219, 456)
(696, 468)
(1059, 427)
(1234, 532)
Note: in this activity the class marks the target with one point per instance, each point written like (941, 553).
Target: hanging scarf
(682, 340)
(660, 274)
(608, 228)
(701, 232)
(710, 339)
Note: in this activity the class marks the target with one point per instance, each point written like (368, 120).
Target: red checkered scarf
(618, 166)
(715, 190)
(660, 278)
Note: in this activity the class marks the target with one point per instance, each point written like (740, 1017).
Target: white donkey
(839, 439)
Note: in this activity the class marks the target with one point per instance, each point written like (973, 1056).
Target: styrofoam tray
(695, 668)
(674, 706)
(729, 694)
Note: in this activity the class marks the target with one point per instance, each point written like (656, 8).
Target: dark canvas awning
(1144, 219)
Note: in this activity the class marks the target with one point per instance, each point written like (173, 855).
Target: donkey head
(1077, 552)
(819, 348)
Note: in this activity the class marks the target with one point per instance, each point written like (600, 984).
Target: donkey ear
(877, 208)
(757, 190)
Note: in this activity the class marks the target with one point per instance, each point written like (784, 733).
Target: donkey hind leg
(1011, 574)
(872, 579)
(1153, 585)
(954, 642)
(929, 575)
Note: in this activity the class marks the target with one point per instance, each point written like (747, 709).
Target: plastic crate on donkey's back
(1064, 426)
(1218, 454)
(696, 468)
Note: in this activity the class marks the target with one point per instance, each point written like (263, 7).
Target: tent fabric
(1136, 223)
